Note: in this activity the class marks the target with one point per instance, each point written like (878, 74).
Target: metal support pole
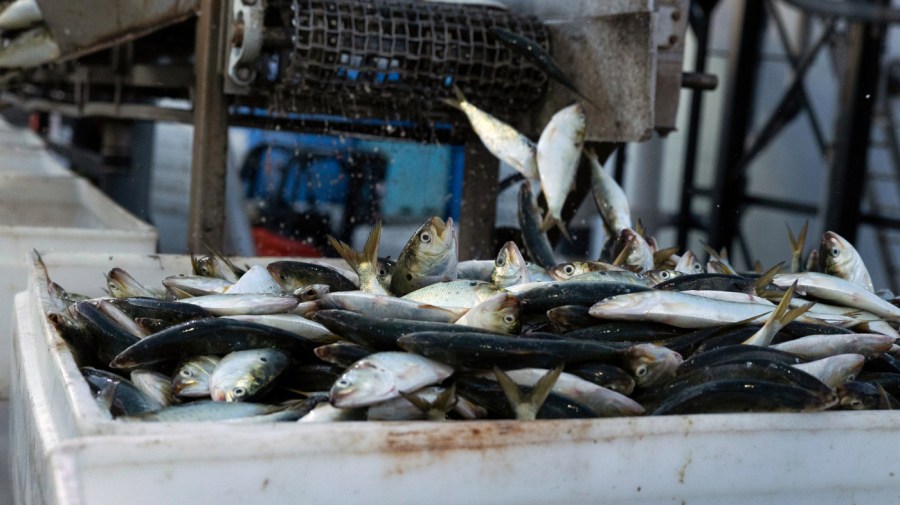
(737, 119)
(700, 24)
(849, 163)
(208, 165)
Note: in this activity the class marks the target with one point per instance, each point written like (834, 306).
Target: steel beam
(847, 170)
(737, 118)
(206, 225)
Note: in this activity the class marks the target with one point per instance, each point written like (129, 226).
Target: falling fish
(558, 154)
(20, 14)
(501, 139)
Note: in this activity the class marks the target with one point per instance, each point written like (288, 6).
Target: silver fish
(242, 374)
(651, 364)
(500, 139)
(459, 293)
(191, 377)
(510, 267)
(602, 401)
(813, 347)
(429, 256)
(257, 280)
(247, 304)
(558, 154)
(609, 196)
(838, 257)
(834, 370)
(500, 313)
(689, 264)
(294, 324)
(382, 376)
(834, 289)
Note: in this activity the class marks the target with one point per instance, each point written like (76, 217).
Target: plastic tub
(74, 453)
(56, 214)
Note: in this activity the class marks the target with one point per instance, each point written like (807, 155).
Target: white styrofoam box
(77, 455)
(56, 214)
(28, 159)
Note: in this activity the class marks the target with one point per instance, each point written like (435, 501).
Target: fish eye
(856, 403)
(835, 252)
(698, 267)
(264, 359)
(409, 277)
(569, 269)
(186, 372)
(501, 261)
(851, 377)
(238, 392)
(343, 383)
(665, 275)
(641, 370)
(425, 237)
(382, 272)
(509, 319)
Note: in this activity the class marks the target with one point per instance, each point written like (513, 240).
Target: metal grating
(394, 60)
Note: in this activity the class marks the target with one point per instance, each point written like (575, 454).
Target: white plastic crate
(56, 214)
(67, 451)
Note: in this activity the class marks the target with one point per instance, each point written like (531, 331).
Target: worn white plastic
(75, 455)
(56, 214)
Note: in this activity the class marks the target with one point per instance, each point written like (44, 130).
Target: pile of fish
(429, 337)
(647, 331)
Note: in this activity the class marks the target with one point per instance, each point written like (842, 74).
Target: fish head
(689, 264)
(191, 379)
(651, 364)
(384, 271)
(657, 276)
(566, 271)
(500, 312)
(631, 304)
(120, 284)
(430, 252)
(312, 292)
(365, 383)
(836, 255)
(510, 267)
(858, 396)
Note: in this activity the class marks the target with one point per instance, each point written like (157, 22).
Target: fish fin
(763, 337)
(757, 266)
(797, 245)
(660, 257)
(765, 279)
(527, 406)
(639, 228)
(370, 250)
(346, 252)
(438, 409)
(885, 400)
(236, 270)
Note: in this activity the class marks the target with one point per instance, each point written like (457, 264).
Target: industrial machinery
(350, 67)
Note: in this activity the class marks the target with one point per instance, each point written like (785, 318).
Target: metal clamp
(246, 39)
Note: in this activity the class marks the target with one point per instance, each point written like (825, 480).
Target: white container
(56, 214)
(68, 451)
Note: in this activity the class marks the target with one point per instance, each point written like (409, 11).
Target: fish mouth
(218, 394)
(438, 225)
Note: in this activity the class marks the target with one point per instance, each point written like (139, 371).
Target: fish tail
(457, 102)
(527, 406)
(780, 317)
(346, 252)
(370, 250)
(765, 279)
(661, 256)
(797, 245)
(550, 222)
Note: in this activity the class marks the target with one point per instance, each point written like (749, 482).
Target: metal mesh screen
(393, 60)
